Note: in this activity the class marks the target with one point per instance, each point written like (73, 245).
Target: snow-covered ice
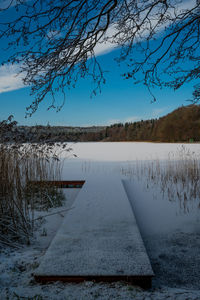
(127, 151)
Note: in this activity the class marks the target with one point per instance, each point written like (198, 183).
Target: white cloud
(105, 47)
(9, 78)
(187, 4)
(112, 121)
(158, 111)
(126, 120)
(132, 119)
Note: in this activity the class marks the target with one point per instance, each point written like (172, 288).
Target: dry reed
(178, 177)
(19, 165)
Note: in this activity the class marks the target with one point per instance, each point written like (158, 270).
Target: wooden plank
(142, 281)
(60, 183)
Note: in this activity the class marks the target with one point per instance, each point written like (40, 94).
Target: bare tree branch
(55, 42)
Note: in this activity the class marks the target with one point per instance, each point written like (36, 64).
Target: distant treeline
(181, 125)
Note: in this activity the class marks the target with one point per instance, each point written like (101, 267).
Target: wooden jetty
(98, 240)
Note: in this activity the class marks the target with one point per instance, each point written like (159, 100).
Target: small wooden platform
(63, 184)
(98, 240)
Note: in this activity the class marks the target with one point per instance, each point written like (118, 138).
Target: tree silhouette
(56, 42)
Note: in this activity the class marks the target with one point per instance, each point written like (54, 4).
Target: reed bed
(19, 165)
(177, 178)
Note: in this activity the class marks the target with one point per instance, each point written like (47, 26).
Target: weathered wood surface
(99, 239)
(59, 183)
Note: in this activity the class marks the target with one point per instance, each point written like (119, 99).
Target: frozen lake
(170, 226)
(127, 151)
(162, 184)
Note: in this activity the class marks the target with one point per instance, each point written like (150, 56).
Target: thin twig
(58, 212)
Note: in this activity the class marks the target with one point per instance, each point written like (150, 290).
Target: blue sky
(119, 101)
